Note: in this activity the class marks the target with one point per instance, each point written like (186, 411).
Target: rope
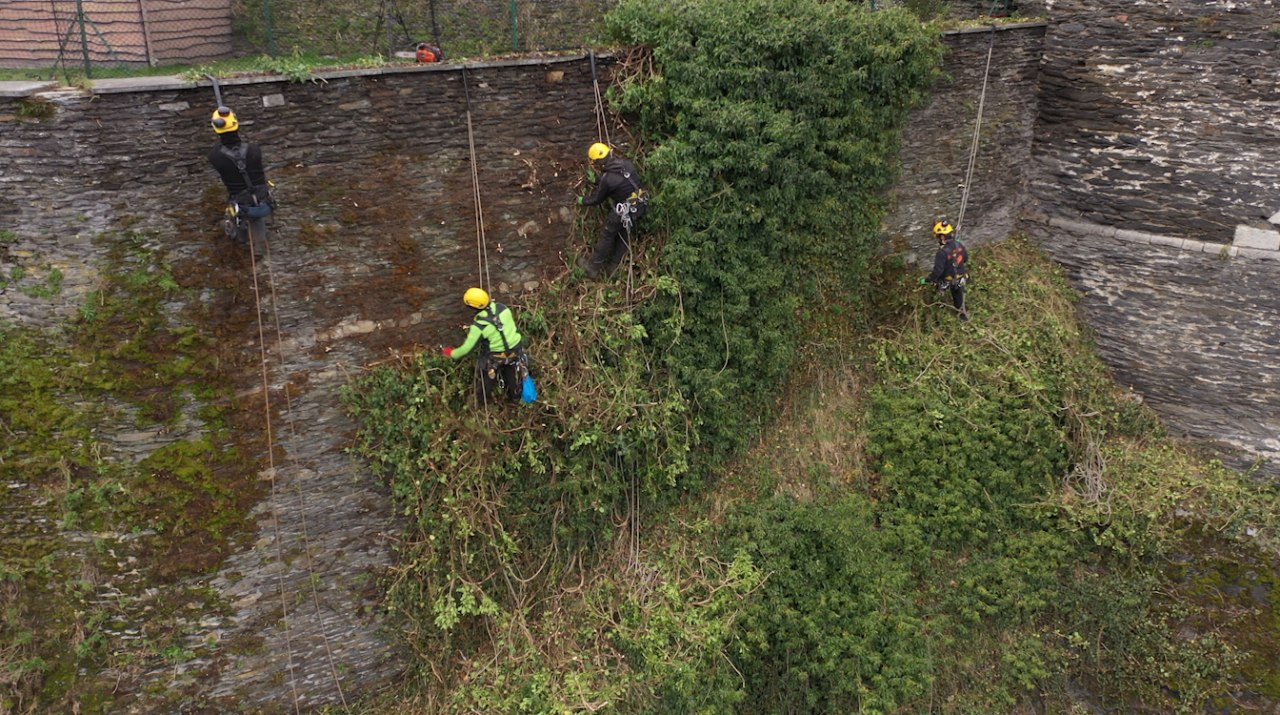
(302, 501)
(977, 128)
(275, 499)
(482, 248)
(271, 464)
(602, 124)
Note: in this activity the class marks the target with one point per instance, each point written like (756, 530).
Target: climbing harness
(254, 205)
(494, 361)
(977, 129)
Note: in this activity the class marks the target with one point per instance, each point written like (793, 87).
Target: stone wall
(1161, 116)
(1186, 325)
(373, 245)
(938, 140)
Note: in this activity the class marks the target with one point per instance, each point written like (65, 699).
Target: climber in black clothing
(950, 267)
(619, 183)
(249, 193)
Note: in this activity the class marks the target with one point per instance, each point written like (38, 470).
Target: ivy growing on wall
(770, 127)
(773, 128)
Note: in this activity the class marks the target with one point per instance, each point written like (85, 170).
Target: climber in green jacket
(502, 354)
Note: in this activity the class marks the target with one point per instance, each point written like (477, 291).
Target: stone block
(1125, 234)
(140, 84)
(1275, 218)
(1166, 241)
(1257, 238)
(1257, 253)
(24, 89)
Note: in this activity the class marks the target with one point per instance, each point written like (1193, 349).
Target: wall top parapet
(177, 82)
(1191, 245)
(24, 89)
(999, 28)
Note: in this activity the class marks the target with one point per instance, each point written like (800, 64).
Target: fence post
(515, 38)
(386, 18)
(146, 32)
(271, 33)
(435, 29)
(84, 38)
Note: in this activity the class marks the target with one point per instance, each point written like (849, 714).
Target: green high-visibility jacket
(494, 324)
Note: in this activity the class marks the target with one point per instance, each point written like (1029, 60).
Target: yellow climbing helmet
(224, 120)
(476, 298)
(598, 151)
(943, 228)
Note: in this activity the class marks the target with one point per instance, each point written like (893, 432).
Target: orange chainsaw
(423, 52)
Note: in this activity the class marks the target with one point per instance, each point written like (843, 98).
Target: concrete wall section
(1161, 116)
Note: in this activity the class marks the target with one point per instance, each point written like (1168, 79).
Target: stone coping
(24, 88)
(147, 84)
(999, 28)
(173, 82)
(1185, 244)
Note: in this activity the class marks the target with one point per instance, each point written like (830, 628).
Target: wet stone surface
(1194, 333)
(372, 247)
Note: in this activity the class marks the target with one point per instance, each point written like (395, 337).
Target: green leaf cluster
(834, 628)
(771, 127)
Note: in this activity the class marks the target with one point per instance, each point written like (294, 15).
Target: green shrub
(805, 99)
(834, 628)
(771, 127)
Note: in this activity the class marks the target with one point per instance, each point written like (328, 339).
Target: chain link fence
(101, 38)
(74, 39)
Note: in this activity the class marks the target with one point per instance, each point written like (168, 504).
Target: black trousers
(248, 230)
(612, 247)
(957, 297)
(490, 370)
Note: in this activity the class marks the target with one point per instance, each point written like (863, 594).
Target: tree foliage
(772, 126)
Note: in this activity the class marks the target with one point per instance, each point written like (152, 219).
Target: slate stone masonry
(1161, 116)
(374, 243)
(939, 136)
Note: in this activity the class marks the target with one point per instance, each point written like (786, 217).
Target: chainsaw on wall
(423, 52)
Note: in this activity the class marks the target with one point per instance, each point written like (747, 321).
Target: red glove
(448, 352)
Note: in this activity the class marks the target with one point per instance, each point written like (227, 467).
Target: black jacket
(951, 261)
(226, 166)
(618, 182)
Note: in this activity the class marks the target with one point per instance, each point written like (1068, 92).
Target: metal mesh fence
(98, 38)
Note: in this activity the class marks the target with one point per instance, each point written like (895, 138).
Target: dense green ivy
(770, 128)
(772, 125)
(834, 628)
(973, 572)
